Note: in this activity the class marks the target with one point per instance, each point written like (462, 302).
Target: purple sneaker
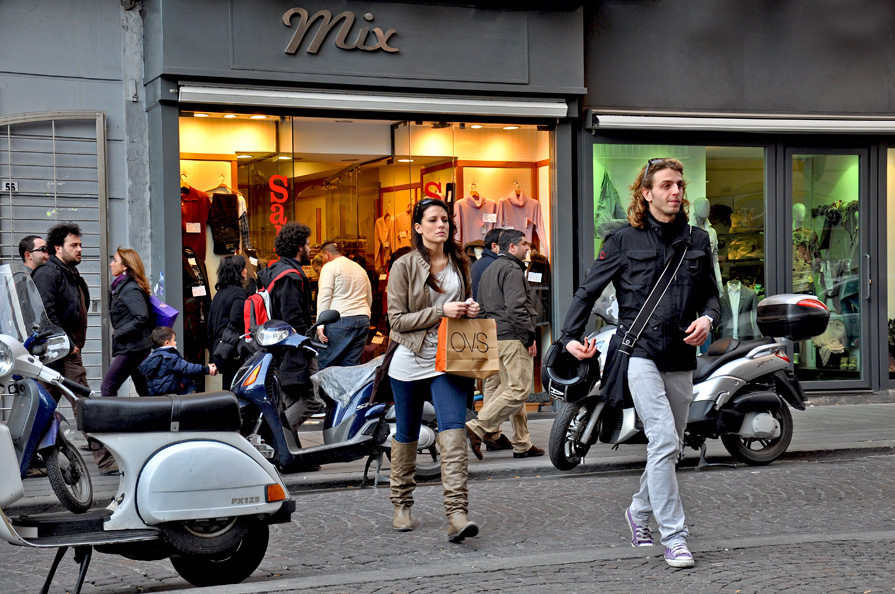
(640, 535)
(679, 556)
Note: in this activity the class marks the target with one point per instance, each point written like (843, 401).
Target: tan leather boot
(454, 474)
(402, 483)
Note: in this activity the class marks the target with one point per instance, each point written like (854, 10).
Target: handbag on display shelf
(614, 380)
(467, 347)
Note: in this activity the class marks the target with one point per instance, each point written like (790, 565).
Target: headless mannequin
(804, 251)
(700, 218)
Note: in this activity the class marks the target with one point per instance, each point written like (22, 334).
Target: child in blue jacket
(166, 372)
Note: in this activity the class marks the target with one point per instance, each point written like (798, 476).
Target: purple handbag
(164, 314)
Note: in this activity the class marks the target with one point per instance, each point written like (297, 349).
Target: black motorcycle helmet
(566, 377)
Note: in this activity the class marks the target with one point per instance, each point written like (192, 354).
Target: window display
(356, 182)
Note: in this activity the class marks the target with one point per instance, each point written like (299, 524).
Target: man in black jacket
(660, 372)
(65, 295)
(505, 297)
(290, 301)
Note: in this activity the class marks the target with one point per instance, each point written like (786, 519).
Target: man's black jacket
(60, 289)
(290, 299)
(632, 259)
(505, 297)
(478, 268)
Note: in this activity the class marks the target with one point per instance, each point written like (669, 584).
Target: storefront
(786, 150)
(341, 115)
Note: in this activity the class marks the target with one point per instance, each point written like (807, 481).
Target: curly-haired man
(290, 301)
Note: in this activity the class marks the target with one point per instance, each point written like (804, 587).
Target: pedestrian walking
(660, 370)
(489, 255)
(131, 324)
(424, 286)
(33, 252)
(505, 297)
(345, 287)
(290, 301)
(165, 369)
(65, 296)
(226, 317)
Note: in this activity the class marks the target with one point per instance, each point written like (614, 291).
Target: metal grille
(53, 169)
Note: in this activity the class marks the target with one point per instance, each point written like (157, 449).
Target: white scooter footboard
(202, 479)
(11, 488)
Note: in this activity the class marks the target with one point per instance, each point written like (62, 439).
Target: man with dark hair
(345, 287)
(290, 301)
(489, 255)
(33, 251)
(65, 295)
(505, 297)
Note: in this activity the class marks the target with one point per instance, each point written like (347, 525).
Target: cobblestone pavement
(825, 525)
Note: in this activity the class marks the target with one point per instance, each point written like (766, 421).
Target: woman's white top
(408, 366)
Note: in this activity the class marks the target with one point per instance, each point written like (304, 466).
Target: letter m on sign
(327, 22)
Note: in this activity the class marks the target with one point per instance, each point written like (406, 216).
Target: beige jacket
(410, 311)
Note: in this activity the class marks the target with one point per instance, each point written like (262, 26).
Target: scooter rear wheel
(230, 566)
(758, 452)
(68, 475)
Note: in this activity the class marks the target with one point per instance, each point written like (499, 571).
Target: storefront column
(565, 244)
(164, 188)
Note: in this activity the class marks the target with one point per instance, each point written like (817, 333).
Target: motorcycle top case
(792, 316)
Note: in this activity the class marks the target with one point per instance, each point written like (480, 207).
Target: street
(803, 524)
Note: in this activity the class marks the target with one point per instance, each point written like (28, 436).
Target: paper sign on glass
(194, 227)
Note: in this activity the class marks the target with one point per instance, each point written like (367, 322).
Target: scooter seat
(723, 351)
(206, 411)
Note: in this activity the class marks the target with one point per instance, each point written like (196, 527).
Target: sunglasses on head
(649, 165)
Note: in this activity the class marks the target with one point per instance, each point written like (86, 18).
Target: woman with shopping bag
(425, 286)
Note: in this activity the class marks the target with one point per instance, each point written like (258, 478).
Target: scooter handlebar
(76, 387)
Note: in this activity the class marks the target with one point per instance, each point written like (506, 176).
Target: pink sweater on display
(523, 213)
(469, 216)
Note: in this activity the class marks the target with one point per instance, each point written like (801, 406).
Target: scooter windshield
(21, 308)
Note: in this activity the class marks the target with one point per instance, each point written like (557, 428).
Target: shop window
(726, 195)
(355, 181)
(890, 248)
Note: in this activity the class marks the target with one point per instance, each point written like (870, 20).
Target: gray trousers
(662, 401)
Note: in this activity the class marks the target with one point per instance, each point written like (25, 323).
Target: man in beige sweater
(345, 287)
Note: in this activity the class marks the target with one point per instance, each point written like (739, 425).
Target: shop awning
(422, 104)
(832, 125)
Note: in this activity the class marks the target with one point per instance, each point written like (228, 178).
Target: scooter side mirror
(330, 316)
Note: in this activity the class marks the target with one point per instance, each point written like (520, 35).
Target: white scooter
(192, 489)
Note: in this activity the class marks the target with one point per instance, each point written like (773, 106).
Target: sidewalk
(819, 431)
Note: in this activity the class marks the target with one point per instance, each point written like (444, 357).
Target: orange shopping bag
(467, 347)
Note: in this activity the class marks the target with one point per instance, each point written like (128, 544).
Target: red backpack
(257, 307)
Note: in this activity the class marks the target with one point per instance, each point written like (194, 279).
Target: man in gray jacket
(505, 297)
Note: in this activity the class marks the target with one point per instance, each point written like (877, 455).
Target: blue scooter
(34, 422)
(353, 427)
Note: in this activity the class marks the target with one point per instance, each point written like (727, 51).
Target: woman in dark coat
(227, 313)
(129, 311)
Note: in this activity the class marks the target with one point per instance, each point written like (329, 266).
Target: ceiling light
(511, 127)
(243, 156)
(230, 115)
(258, 117)
(476, 126)
(405, 160)
(284, 158)
(200, 115)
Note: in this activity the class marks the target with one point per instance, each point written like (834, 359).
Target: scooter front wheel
(566, 447)
(758, 452)
(69, 475)
(230, 566)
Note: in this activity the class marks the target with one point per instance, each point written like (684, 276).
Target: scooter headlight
(270, 336)
(7, 360)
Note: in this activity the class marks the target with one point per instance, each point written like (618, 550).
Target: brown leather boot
(402, 483)
(454, 475)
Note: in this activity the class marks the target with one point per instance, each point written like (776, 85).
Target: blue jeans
(662, 400)
(448, 394)
(347, 338)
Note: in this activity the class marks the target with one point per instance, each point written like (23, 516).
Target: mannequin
(738, 308)
(699, 217)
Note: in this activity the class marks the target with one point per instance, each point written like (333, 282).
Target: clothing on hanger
(474, 216)
(195, 206)
(518, 211)
(384, 240)
(403, 226)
